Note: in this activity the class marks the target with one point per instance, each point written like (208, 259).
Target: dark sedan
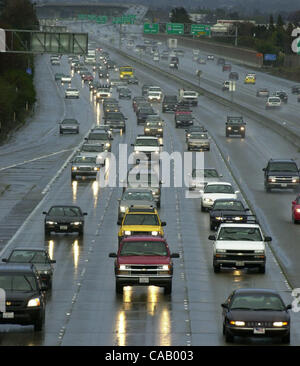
(39, 257)
(256, 313)
(227, 210)
(143, 113)
(64, 219)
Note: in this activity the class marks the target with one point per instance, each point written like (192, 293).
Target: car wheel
(262, 269)
(286, 339)
(168, 289)
(217, 268)
(38, 324)
(119, 288)
(228, 337)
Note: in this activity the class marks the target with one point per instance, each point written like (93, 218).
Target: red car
(144, 261)
(296, 209)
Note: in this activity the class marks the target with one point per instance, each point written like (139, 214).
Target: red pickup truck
(143, 261)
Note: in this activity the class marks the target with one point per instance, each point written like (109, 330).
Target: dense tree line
(17, 93)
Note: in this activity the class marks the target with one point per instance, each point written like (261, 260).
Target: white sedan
(214, 191)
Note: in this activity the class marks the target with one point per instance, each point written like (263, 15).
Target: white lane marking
(35, 159)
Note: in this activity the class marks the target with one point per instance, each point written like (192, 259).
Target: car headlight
(74, 168)
(219, 218)
(96, 168)
(107, 144)
(238, 218)
(242, 128)
(238, 323)
(51, 222)
(76, 223)
(34, 302)
(207, 200)
(147, 129)
(298, 210)
(160, 129)
(164, 267)
(295, 180)
(280, 324)
(122, 267)
(221, 251)
(122, 208)
(127, 232)
(154, 233)
(272, 179)
(229, 128)
(259, 251)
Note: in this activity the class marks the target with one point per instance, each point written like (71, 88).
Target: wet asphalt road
(82, 308)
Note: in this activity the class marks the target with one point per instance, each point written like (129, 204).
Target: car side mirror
(52, 261)
(293, 202)
(112, 255)
(119, 222)
(247, 209)
(44, 213)
(175, 255)
(237, 192)
(4, 260)
(212, 237)
(268, 238)
(264, 169)
(224, 306)
(288, 307)
(85, 213)
(163, 223)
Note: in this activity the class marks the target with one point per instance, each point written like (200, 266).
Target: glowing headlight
(221, 251)
(107, 144)
(76, 223)
(242, 128)
(96, 168)
(164, 267)
(34, 302)
(127, 232)
(259, 251)
(238, 218)
(51, 222)
(122, 208)
(298, 210)
(74, 168)
(219, 218)
(208, 200)
(238, 323)
(280, 324)
(122, 267)
(295, 180)
(160, 129)
(154, 233)
(147, 129)
(229, 128)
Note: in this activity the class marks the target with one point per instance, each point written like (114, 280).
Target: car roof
(17, 267)
(255, 291)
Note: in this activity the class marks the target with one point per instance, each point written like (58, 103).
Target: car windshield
(240, 233)
(146, 110)
(141, 219)
(274, 99)
(207, 173)
(92, 148)
(85, 160)
(97, 136)
(198, 135)
(69, 122)
(146, 142)
(17, 282)
(28, 256)
(125, 69)
(286, 167)
(184, 117)
(65, 211)
(146, 196)
(257, 302)
(228, 205)
(144, 180)
(219, 188)
(144, 248)
(115, 115)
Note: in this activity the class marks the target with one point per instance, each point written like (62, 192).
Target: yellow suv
(140, 220)
(250, 79)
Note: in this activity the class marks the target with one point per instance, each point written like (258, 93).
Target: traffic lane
(253, 152)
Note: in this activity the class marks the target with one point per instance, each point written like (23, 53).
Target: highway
(82, 307)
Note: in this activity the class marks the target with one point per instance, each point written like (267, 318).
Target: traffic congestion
(163, 224)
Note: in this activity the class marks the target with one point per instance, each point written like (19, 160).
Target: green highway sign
(151, 28)
(102, 19)
(200, 30)
(125, 19)
(175, 28)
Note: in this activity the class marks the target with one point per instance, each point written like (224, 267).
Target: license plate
(283, 184)
(144, 280)
(63, 227)
(9, 315)
(259, 330)
(239, 264)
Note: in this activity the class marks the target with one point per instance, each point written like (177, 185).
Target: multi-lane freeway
(82, 308)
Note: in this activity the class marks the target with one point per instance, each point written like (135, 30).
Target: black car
(133, 80)
(169, 103)
(64, 219)
(124, 93)
(194, 128)
(39, 257)
(115, 120)
(233, 75)
(25, 298)
(136, 100)
(256, 313)
(227, 210)
(69, 125)
(143, 113)
(145, 88)
(183, 120)
(281, 174)
(221, 61)
(235, 126)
